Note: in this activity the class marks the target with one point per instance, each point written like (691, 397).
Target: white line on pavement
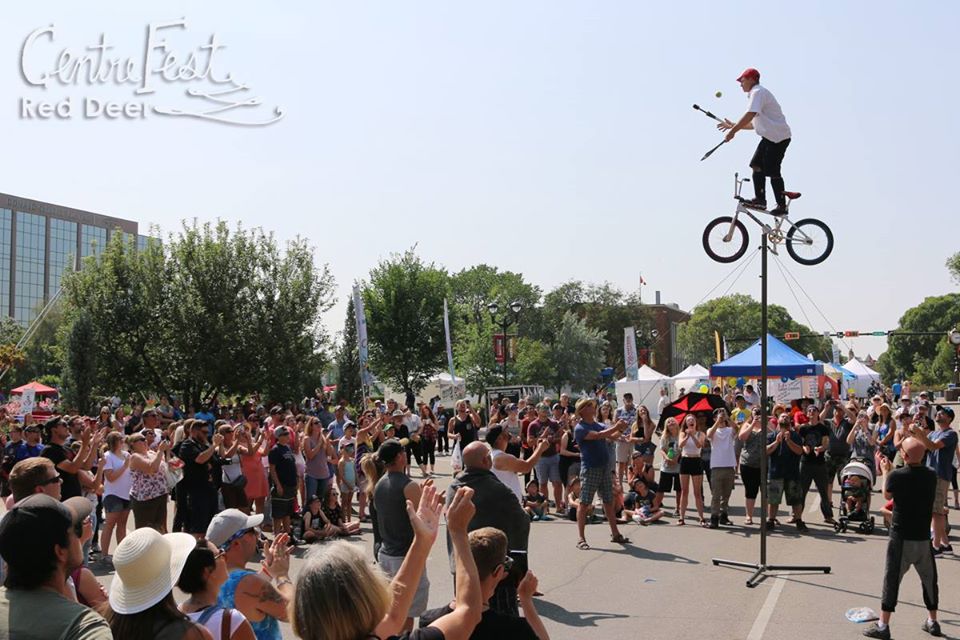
(760, 624)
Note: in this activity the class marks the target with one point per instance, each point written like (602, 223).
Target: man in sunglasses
(41, 540)
(488, 546)
(34, 475)
(262, 597)
(31, 445)
(63, 457)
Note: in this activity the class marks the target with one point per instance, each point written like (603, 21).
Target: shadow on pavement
(649, 554)
(558, 614)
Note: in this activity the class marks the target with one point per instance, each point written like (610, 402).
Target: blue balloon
(784, 378)
(741, 382)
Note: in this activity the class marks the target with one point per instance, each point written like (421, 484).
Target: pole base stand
(761, 571)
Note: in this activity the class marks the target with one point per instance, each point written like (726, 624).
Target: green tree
(953, 266)
(473, 352)
(43, 352)
(474, 288)
(349, 385)
(533, 364)
(738, 316)
(208, 311)
(576, 354)
(80, 364)
(404, 307)
(927, 360)
(604, 308)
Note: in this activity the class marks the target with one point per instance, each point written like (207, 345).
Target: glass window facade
(94, 241)
(6, 221)
(31, 245)
(63, 250)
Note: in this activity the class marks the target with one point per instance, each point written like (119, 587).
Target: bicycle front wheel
(725, 240)
(809, 241)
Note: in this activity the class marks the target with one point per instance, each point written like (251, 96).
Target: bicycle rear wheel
(717, 244)
(809, 241)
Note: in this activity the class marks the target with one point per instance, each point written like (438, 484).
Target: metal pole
(505, 347)
(763, 401)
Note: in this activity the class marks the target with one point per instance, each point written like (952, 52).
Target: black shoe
(932, 627)
(724, 520)
(714, 522)
(937, 551)
(947, 548)
(803, 527)
(780, 210)
(755, 204)
(873, 631)
(770, 525)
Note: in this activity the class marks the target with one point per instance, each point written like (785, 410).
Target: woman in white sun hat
(141, 604)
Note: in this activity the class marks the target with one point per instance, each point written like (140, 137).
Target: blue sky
(552, 138)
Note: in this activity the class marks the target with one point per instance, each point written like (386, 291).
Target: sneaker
(724, 520)
(803, 527)
(873, 631)
(937, 551)
(714, 522)
(755, 204)
(770, 525)
(932, 627)
(947, 548)
(779, 211)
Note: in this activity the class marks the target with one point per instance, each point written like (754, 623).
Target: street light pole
(503, 323)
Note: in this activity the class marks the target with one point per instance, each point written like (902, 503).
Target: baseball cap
(36, 523)
(511, 407)
(396, 413)
(493, 433)
(230, 522)
(749, 72)
(947, 410)
(389, 450)
(281, 431)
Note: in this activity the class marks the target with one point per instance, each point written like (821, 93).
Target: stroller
(856, 479)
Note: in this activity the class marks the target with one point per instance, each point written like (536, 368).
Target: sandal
(619, 539)
(582, 545)
(703, 523)
(748, 521)
(680, 522)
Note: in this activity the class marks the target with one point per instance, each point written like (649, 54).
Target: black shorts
(691, 466)
(669, 482)
(201, 505)
(282, 506)
(769, 156)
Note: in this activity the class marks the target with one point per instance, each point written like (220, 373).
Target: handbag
(239, 482)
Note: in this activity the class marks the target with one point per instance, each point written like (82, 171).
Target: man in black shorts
(200, 495)
(283, 473)
(766, 118)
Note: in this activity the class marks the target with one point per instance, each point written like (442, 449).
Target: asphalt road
(664, 585)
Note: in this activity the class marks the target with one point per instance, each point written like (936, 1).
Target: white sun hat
(148, 565)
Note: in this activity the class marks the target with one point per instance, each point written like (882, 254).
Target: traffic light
(851, 334)
(791, 335)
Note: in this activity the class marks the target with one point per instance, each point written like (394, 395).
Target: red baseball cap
(750, 72)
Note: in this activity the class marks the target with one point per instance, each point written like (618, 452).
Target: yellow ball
(719, 94)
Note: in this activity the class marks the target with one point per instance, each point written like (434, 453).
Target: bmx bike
(808, 241)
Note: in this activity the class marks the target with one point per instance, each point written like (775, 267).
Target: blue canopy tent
(782, 361)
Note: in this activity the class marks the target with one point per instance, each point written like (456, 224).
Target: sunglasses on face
(49, 481)
(507, 564)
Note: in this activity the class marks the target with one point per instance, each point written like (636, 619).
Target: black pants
(820, 476)
(901, 555)
(443, 442)
(427, 448)
(766, 163)
(413, 453)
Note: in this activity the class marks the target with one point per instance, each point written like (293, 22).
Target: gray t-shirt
(752, 449)
(42, 614)
(392, 518)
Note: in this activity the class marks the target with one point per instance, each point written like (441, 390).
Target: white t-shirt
(769, 122)
(121, 486)
(508, 478)
(724, 448)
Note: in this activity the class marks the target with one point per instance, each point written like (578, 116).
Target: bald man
(912, 489)
(497, 507)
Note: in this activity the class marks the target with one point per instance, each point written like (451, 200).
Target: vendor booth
(790, 375)
(690, 379)
(865, 376)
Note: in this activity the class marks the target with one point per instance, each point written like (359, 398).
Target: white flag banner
(365, 378)
(630, 353)
(446, 330)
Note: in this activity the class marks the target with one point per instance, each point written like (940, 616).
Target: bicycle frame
(776, 233)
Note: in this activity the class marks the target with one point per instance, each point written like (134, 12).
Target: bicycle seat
(793, 195)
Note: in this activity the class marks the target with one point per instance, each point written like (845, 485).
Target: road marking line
(760, 624)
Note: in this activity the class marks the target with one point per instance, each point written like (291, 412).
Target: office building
(39, 242)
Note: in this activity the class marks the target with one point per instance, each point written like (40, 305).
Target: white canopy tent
(645, 389)
(865, 376)
(690, 378)
(449, 389)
